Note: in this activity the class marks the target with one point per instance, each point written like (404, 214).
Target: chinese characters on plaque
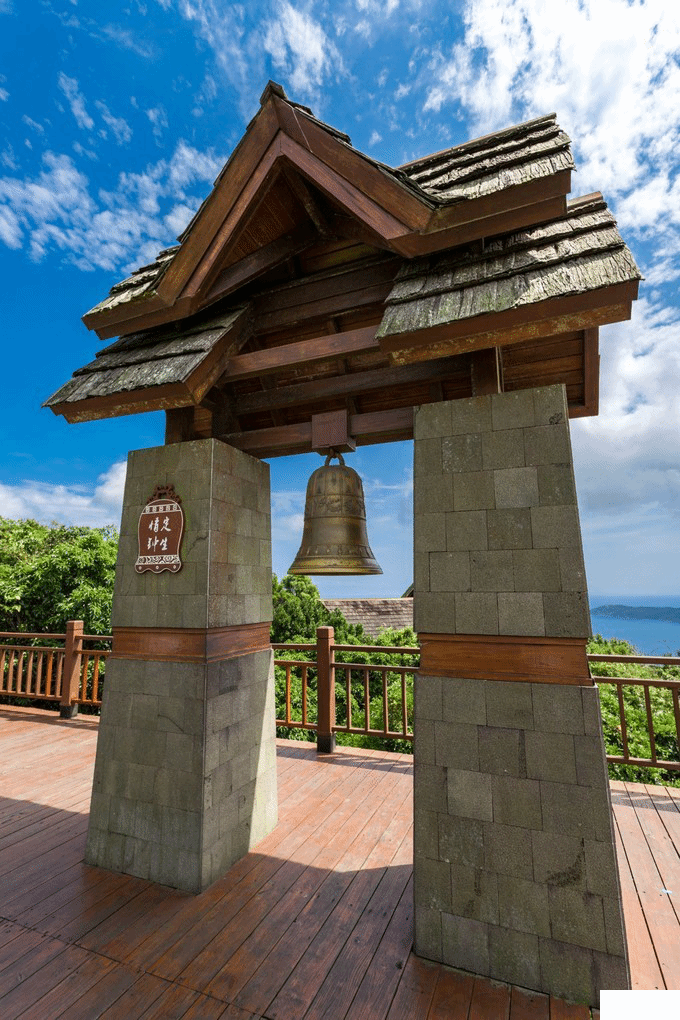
(161, 526)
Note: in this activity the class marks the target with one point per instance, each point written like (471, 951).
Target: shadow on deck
(316, 923)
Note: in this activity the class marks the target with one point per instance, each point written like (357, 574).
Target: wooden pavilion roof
(315, 279)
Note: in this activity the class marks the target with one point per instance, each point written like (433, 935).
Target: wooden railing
(654, 698)
(331, 689)
(326, 695)
(68, 673)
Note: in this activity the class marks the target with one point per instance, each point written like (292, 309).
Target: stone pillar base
(515, 869)
(185, 775)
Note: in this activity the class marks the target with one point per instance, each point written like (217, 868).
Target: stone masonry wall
(185, 775)
(515, 866)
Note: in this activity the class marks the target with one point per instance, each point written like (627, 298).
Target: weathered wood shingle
(580, 252)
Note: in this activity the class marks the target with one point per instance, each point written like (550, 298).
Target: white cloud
(4, 95)
(57, 211)
(67, 504)
(119, 126)
(375, 138)
(69, 86)
(608, 67)
(33, 124)
(300, 48)
(159, 120)
(128, 40)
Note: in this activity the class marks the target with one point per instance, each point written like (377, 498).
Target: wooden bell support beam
(486, 371)
(331, 432)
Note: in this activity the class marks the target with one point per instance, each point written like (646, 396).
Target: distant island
(669, 614)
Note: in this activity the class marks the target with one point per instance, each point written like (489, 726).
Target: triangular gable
(290, 170)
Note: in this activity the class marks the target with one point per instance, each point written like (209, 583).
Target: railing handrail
(652, 660)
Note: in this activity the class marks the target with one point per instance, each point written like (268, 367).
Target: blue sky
(115, 119)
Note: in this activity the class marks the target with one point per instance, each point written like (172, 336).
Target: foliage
(636, 713)
(298, 611)
(51, 574)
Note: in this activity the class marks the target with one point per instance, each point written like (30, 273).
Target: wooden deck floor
(316, 923)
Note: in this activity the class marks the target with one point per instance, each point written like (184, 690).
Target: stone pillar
(515, 866)
(185, 774)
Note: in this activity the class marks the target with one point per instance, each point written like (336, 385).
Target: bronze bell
(334, 538)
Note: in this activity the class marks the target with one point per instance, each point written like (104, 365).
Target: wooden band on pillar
(187, 644)
(537, 660)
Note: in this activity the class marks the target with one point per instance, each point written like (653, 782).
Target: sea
(650, 637)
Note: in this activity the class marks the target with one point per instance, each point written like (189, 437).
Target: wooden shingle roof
(314, 279)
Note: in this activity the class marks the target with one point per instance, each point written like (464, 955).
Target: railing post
(70, 679)
(325, 688)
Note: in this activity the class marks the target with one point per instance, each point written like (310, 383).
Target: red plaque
(161, 526)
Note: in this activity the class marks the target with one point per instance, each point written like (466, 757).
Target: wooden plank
(489, 999)
(660, 843)
(561, 1010)
(452, 996)
(304, 352)
(35, 976)
(65, 995)
(644, 966)
(343, 385)
(658, 913)
(384, 973)
(415, 991)
(527, 1005)
(136, 1000)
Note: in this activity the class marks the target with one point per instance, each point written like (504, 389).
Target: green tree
(51, 574)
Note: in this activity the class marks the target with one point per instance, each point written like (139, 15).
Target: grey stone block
(577, 917)
(516, 802)
(433, 421)
(432, 884)
(566, 614)
(559, 859)
(474, 893)
(509, 529)
(456, 745)
(464, 701)
(501, 751)
(551, 756)
(558, 708)
(521, 614)
(567, 971)
(592, 713)
(462, 453)
(433, 494)
(510, 704)
(476, 613)
(427, 457)
(469, 794)
(428, 933)
(461, 840)
(576, 810)
(421, 574)
(429, 532)
(491, 571)
(471, 415)
(547, 444)
(474, 490)
(434, 613)
(428, 697)
(555, 527)
(429, 788)
(536, 570)
(503, 449)
(572, 570)
(514, 957)
(523, 905)
(515, 487)
(602, 876)
(556, 484)
(465, 944)
(466, 530)
(508, 850)
(513, 410)
(614, 928)
(591, 763)
(450, 571)
(550, 404)
(426, 834)
(611, 971)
